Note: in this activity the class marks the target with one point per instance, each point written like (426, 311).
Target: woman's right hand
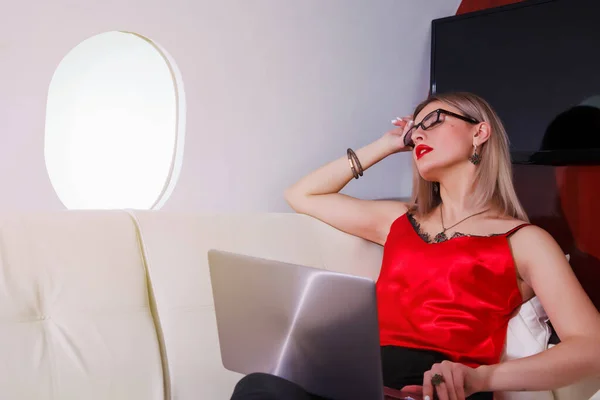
(395, 137)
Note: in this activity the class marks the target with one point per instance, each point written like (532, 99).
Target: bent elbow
(299, 202)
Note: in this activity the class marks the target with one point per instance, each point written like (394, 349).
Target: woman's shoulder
(507, 224)
(533, 247)
(524, 231)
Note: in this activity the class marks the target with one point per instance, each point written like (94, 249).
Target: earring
(475, 158)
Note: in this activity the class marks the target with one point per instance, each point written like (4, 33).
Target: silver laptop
(313, 327)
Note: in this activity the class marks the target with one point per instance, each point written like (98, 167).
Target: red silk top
(454, 297)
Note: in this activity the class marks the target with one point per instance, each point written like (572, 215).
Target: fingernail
(394, 121)
(427, 398)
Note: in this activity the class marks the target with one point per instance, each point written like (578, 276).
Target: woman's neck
(458, 199)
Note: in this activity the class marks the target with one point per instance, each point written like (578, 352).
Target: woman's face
(447, 140)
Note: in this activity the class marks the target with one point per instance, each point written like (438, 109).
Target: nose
(418, 135)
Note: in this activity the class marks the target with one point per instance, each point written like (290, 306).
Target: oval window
(115, 123)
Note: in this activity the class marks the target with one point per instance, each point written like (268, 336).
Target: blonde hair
(493, 179)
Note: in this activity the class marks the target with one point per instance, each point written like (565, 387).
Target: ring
(437, 379)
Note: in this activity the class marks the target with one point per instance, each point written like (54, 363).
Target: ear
(482, 133)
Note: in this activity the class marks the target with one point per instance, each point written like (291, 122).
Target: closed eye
(433, 124)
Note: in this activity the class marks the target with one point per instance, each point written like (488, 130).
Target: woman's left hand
(459, 381)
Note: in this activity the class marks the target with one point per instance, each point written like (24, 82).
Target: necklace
(440, 237)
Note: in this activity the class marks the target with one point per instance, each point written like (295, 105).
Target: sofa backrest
(75, 318)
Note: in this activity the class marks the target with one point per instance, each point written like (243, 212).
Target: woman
(458, 262)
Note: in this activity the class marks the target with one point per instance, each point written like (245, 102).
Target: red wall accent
(562, 200)
(476, 5)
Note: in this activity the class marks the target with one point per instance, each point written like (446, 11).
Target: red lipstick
(421, 150)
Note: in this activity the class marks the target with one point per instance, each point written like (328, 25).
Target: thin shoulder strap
(516, 228)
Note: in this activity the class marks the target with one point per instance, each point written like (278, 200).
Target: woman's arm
(543, 266)
(317, 193)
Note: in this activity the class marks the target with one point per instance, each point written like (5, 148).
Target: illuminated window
(115, 123)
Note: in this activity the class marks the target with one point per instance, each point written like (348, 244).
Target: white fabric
(528, 332)
(75, 322)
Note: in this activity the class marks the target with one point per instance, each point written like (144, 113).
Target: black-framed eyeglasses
(432, 119)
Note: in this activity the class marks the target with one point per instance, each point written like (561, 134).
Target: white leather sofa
(110, 305)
